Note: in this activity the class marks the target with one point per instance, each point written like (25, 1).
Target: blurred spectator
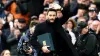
(16, 23)
(5, 53)
(86, 44)
(65, 2)
(32, 27)
(26, 38)
(45, 11)
(34, 19)
(70, 27)
(90, 23)
(93, 14)
(59, 13)
(81, 12)
(22, 26)
(94, 26)
(75, 5)
(52, 4)
(42, 18)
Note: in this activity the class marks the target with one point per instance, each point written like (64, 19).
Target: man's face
(42, 18)
(84, 30)
(81, 12)
(95, 26)
(21, 25)
(51, 16)
(59, 14)
(92, 14)
(69, 25)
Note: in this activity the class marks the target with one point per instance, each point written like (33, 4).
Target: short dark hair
(82, 6)
(52, 10)
(21, 20)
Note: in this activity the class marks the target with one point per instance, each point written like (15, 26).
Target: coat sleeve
(66, 14)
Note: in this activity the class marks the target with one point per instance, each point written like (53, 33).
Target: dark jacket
(86, 45)
(26, 39)
(3, 43)
(62, 44)
(12, 41)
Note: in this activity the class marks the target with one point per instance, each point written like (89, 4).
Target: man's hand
(45, 49)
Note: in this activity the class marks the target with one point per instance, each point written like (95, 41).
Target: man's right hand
(45, 49)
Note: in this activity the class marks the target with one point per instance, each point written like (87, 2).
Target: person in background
(12, 40)
(42, 18)
(5, 53)
(92, 14)
(90, 23)
(52, 4)
(70, 26)
(3, 37)
(80, 12)
(94, 29)
(75, 5)
(16, 23)
(22, 25)
(27, 37)
(45, 11)
(34, 19)
(86, 45)
(59, 13)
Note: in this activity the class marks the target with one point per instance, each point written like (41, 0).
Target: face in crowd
(52, 15)
(6, 53)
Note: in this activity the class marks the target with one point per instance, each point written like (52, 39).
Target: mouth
(52, 19)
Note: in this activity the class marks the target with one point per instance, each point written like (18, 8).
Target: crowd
(73, 24)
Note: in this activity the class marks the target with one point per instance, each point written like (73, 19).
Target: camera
(24, 47)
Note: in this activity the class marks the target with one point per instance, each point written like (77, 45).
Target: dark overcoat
(62, 44)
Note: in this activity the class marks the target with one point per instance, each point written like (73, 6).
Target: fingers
(45, 49)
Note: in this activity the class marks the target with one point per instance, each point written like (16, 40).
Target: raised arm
(66, 14)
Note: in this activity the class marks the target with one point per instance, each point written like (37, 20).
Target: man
(86, 44)
(53, 25)
(93, 14)
(80, 12)
(42, 18)
(94, 29)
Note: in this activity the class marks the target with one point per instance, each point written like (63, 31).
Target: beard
(51, 20)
